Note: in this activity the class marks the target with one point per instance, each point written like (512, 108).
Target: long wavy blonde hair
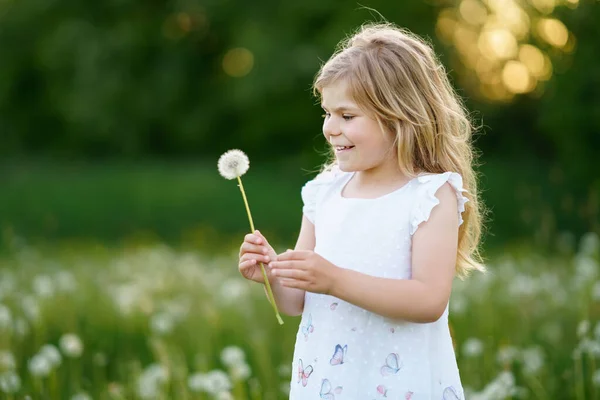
(396, 78)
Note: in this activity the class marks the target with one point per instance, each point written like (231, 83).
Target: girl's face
(358, 141)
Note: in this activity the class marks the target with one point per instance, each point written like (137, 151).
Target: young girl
(386, 227)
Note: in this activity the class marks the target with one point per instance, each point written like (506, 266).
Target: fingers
(290, 264)
(253, 238)
(293, 255)
(253, 243)
(256, 257)
(289, 273)
(253, 248)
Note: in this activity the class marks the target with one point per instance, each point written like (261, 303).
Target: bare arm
(290, 300)
(424, 297)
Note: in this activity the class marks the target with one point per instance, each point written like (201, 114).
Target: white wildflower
(30, 307)
(233, 289)
(81, 396)
(285, 370)
(583, 328)
(10, 382)
(217, 381)
(65, 281)
(597, 331)
(156, 373)
(233, 164)
(151, 380)
(596, 291)
(21, 327)
(507, 354)
(43, 286)
(458, 304)
(39, 366)
(240, 372)
(51, 354)
(285, 388)
(586, 270)
(232, 355)
(224, 396)
(596, 378)
(197, 382)
(533, 360)
(162, 324)
(472, 347)
(5, 317)
(7, 360)
(523, 285)
(71, 345)
(589, 244)
(500, 388)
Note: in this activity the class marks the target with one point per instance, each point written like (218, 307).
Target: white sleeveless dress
(345, 352)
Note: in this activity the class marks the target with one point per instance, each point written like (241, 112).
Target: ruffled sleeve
(426, 199)
(311, 190)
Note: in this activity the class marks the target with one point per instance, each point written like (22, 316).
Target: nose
(331, 128)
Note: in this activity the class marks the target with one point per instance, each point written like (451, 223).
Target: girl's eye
(348, 117)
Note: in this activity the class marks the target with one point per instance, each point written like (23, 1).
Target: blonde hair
(395, 77)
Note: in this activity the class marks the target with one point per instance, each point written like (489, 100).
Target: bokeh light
(238, 62)
(505, 42)
(553, 31)
(498, 44)
(516, 78)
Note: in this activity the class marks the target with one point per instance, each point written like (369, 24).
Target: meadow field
(158, 322)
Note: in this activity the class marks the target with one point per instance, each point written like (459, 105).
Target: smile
(339, 149)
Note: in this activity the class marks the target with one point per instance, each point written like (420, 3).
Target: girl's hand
(255, 249)
(304, 269)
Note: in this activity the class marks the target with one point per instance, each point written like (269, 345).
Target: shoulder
(445, 189)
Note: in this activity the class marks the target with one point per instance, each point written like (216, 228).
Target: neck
(386, 174)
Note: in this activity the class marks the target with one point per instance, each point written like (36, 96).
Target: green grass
(158, 318)
(189, 203)
(173, 202)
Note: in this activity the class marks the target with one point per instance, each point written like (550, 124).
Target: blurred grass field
(139, 322)
(119, 281)
(189, 203)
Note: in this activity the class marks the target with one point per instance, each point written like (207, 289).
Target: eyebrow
(341, 108)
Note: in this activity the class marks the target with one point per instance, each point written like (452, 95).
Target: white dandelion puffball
(71, 345)
(233, 164)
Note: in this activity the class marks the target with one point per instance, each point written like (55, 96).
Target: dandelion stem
(262, 267)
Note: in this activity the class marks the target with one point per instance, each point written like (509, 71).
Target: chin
(345, 167)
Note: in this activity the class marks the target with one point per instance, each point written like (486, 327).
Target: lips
(342, 148)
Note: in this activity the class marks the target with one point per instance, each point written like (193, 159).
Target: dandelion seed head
(197, 382)
(81, 396)
(51, 354)
(472, 347)
(39, 366)
(596, 378)
(533, 360)
(233, 163)
(7, 360)
(224, 396)
(10, 382)
(583, 328)
(240, 372)
(5, 317)
(71, 345)
(232, 356)
(162, 324)
(217, 381)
